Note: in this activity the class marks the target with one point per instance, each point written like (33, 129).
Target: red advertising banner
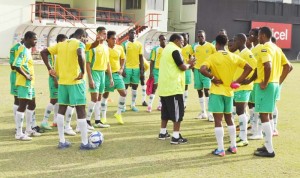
(281, 31)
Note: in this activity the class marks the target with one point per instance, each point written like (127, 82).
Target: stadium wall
(236, 17)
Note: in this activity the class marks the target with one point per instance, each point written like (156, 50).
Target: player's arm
(141, 59)
(286, 69)
(267, 74)
(204, 69)
(81, 62)
(44, 54)
(122, 66)
(251, 79)
(12, 58)
(96, 42)
(110, 75)
(179, 61)
(152, 59)
(89, 56)
(17, 65)
(247, 69)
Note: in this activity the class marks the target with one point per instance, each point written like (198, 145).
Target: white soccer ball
(96, 138)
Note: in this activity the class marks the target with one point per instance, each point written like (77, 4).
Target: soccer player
(266, 86)
(117, 62)
(14, 53)
(221, 32)
(71, 84)
(255, 122)
(97, 65)
(202, 50)
(274, 115)
(187, 52)
(134, 70)
(25, 82)
(53, 105)
(222, 66)
(155, 56)
(171, 83)
(242, 94)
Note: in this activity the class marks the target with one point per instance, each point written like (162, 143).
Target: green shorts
(99, 80)
(52, 89)
(132, 76)
(242, 96)
(279, 93)
(155, 74)
(220, 104)
(13, 87)
(72, 94)
(118, 81)
(26, 92)
(252, 97)
(265, 99)
(188, 77)
(200, 81)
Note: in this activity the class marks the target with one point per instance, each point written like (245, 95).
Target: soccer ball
(96, 138)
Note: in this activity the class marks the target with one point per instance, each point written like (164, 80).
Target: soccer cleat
(103, 120)
(275, 133)
(32, 133)
(101, 125)
(163, 136)
(45, 125)
(89, 127)
(87, 147)
(149, 109)
(23, 137)
(159, 108)
(202, 116)
(61, 145)
(38, 129)
(264, 154)
(70, 132)
(242, 143)
(218, 152)
(54, 124)
(119, 118)
(78, 131)
(180, 140)
(256, 137)
(263, 148)
(211, 118)
(135, 109)
(144, 103)
(232, 150)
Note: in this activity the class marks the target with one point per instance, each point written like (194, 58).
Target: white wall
(58, 1)
(163, 23)
(12, 15)
(106, 3)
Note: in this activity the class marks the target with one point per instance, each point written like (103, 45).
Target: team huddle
(229, 76)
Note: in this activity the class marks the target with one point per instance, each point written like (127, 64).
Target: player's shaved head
(241, 37)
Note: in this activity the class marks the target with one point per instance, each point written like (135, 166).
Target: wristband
(212, 77)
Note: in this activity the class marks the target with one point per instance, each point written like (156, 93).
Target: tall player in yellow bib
(134, 66)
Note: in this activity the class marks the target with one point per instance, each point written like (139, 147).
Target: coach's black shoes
(179, 140)
(164, 136)
(263, 148)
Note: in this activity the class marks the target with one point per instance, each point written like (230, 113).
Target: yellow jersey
(202, 52)
(223, 66)
(132, 50)
(247, 55)
(98, 57)
(67, 61)
(186, 52)
(25, 62)
(155, 55)
(115, 55)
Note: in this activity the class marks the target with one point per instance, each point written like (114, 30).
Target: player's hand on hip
(80, 76)
(217, 81)
(121, 71)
